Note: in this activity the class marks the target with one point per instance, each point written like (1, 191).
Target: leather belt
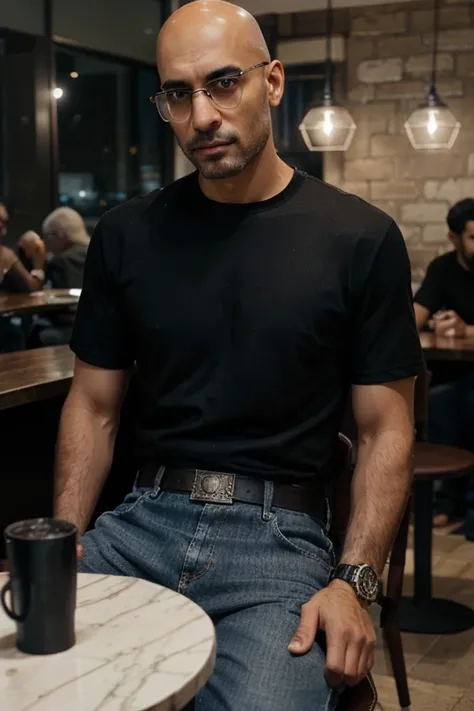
(223, 488)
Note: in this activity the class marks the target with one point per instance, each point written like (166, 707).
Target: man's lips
(213, 147)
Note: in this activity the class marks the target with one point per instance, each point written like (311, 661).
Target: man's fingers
(336, 646)
(79, 551)
(366, 662)
(442, 327)
(303, 639)
(355, 652)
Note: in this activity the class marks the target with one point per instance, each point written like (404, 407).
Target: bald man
(253, 299)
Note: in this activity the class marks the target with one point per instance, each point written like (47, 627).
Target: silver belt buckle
(213, 487)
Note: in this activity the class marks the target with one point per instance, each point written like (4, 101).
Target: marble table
(139, 647)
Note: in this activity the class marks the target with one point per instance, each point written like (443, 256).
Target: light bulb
(58, 92)
(432, 125)
(328, 124)
(327, 128)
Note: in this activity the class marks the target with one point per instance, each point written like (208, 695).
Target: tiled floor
(440, 669)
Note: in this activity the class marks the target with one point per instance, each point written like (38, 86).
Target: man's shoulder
(444, 262)
(348, 213)
(145, 207)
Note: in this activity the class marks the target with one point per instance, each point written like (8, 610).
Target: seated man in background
(66, 237)
(447, 294)
(15, 276)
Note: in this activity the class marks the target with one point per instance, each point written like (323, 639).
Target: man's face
(52, 239)
(3, 220)
(465, 245)
(219, 141)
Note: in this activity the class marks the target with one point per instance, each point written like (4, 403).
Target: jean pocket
(303, 534)
(136, 497)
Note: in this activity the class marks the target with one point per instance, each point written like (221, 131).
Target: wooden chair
(423, 613)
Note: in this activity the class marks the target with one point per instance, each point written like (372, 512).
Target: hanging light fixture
(433, 125)
(328, 127)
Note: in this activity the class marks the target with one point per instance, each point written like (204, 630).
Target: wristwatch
(362, 578)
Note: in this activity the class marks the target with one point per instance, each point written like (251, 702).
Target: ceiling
(262, 7)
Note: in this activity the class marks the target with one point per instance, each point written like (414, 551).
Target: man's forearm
(380, 489)
(83, 460)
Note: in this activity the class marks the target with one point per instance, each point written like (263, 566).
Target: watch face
(367, 583)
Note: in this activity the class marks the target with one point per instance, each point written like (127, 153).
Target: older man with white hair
(66, 237)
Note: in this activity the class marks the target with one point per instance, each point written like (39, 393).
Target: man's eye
(226, 83)
(178, 95)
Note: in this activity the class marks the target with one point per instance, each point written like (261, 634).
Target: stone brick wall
(386, 73)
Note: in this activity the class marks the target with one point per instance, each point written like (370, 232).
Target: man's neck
(264, 178)
(462, 262)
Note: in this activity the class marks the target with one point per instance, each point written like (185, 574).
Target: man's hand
(34, 248)
(449, 324)
(350, 634)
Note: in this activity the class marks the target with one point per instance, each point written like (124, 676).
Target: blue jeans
(249, 567)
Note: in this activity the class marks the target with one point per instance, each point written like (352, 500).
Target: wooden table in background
(34, 375)
(447, 349)
(37, 302)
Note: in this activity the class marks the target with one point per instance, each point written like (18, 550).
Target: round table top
(139, 647)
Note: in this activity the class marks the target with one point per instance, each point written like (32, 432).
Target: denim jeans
(250, 567)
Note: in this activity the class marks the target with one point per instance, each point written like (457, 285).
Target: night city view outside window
(110, 139)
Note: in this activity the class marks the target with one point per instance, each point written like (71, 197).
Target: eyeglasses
(225, 93)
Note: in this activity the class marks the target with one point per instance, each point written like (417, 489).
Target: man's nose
(205, 114)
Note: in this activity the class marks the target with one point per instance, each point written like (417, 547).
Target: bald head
(199, 26)
(218, 84)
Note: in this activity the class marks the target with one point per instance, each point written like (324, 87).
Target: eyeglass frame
(192, 92)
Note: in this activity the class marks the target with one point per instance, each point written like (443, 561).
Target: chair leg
(393, 642)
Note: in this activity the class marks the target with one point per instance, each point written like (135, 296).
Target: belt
(223, 488)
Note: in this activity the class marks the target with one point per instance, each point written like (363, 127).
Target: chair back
(422, 387)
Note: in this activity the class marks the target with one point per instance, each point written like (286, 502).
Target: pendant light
(328, 127)
(433, 125)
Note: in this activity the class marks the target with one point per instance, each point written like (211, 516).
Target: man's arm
(87, 431)
(380, 488)
(386, 357)
(382, 479)
(421, 315)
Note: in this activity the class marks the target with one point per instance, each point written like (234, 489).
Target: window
(110, 136)
(304, 84)
(22, 15)
(122, 28)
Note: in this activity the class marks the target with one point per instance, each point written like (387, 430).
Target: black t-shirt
(448, 286)
(248, 322)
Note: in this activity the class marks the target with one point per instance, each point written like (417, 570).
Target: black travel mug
(43, 580)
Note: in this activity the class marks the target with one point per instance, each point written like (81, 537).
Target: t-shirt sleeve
(431, 292)
(100, 335)
(385, 341)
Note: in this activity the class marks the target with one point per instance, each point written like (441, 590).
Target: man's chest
(256, 288)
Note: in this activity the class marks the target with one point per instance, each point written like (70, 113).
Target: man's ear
(276, 83)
